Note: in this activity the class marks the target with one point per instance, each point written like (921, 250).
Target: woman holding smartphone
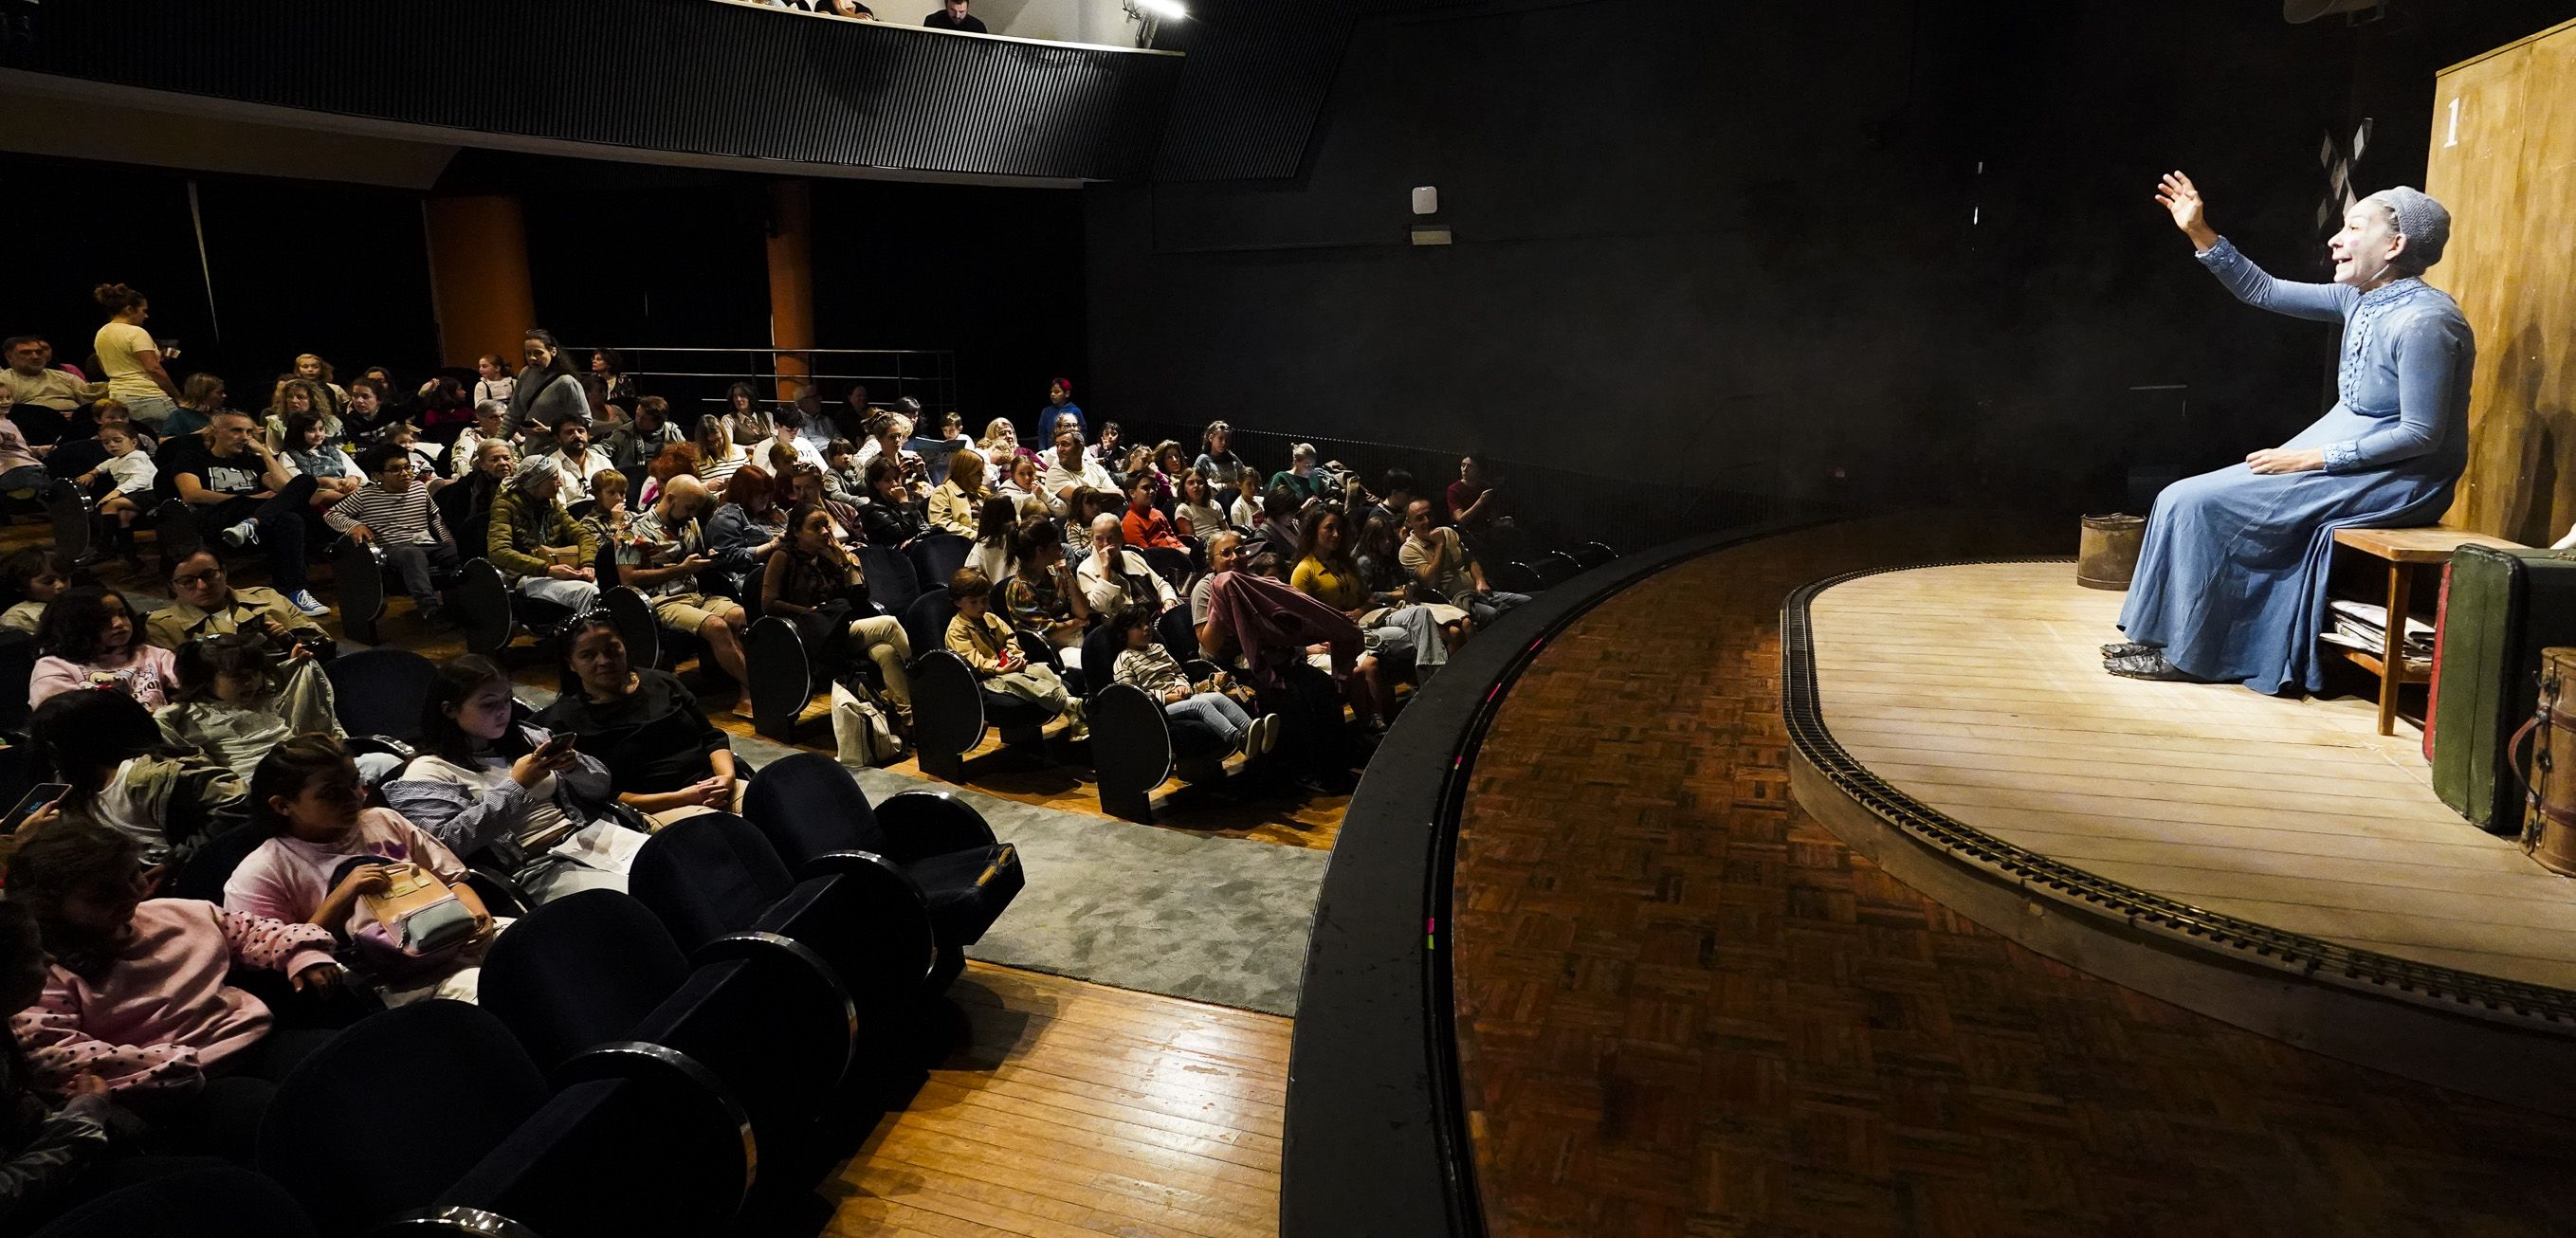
(495, 790)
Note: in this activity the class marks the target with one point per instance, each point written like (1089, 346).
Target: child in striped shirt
(393, 510)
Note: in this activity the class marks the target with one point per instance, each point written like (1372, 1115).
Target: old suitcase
(2550, 836)
(2505, 606)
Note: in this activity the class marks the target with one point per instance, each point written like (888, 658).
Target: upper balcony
(707, 81)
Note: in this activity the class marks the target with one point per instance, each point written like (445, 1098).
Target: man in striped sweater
(393, 510)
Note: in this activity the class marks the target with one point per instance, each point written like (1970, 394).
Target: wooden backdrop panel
(2504, 161)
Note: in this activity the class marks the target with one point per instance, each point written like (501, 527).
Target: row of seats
(764, 975)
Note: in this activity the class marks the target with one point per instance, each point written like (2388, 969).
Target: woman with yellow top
(1326, 572)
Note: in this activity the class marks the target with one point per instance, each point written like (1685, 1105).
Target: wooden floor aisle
(1977, 689)
(1687, 1009)
(1081, 1109)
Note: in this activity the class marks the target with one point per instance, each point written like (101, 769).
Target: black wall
(618, 254)
(292, 266)
(1897, 251)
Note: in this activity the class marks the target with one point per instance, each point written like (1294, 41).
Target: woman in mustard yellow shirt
(1326, 572)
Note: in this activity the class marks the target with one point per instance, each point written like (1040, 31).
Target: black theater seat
(812, 812)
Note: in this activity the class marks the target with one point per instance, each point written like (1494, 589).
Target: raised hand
(2181, 199)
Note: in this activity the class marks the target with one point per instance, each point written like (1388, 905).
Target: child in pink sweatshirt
(134, 991)
(305, 795)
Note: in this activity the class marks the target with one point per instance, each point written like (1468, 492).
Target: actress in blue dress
(2231, 583)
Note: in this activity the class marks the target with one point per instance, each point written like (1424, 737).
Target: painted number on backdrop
(2452, 137)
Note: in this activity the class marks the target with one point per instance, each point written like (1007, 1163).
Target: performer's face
(2368, 242)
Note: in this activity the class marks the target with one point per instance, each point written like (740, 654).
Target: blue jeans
(31, 477)
(1488, 607)
(1212, 714)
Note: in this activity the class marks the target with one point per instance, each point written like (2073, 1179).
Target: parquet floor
(1080, 1109)
(1687, 1009)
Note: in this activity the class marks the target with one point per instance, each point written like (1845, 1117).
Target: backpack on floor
(863, 726)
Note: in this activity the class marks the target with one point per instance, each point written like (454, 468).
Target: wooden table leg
(2392, 645)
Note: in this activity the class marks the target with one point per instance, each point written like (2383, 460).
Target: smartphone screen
(37, 796)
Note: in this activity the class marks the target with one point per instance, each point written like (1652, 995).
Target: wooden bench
(2403, 550)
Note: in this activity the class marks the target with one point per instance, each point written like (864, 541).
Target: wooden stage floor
(1685, 1008)
(1978, 690)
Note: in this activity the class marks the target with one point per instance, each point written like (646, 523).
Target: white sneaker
(303, 600)
(244, 534)
(1267, 726)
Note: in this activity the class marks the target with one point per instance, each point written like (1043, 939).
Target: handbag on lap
(417, 921)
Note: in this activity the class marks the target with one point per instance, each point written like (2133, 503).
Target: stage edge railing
(1376, 1131)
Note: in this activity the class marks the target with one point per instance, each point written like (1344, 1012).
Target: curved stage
(2275, 863)
(1658, 997)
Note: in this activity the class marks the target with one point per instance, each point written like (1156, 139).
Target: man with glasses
(238, 486)
(204, 603)
(393, 511)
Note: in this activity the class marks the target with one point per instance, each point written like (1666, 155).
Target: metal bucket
(2108, 554)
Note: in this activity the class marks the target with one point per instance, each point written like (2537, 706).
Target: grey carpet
(1220, 920)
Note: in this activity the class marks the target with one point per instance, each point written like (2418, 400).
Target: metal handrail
(936, 389)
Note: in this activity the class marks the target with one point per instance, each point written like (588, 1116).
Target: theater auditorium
(1223, 618)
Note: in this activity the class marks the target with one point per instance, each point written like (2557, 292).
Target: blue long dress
(2232, 579)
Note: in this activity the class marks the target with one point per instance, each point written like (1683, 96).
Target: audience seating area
(759, 977)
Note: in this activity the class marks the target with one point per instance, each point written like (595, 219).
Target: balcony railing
(730, 80)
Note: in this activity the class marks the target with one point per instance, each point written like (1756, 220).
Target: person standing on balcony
(952, 16)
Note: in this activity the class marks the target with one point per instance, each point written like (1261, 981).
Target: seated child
(129, 472)
(1203, 710)
(135, 991)
(327, 851)
(30, 579)
(235, 701)
(980, 637)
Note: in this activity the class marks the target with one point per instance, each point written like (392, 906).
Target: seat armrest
(662, 1066)
(757, 945)
(501, 896)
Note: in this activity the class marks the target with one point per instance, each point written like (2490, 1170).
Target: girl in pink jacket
(134, 992)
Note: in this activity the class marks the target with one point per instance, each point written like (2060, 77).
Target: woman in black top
(890, 518)
(661, 752)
